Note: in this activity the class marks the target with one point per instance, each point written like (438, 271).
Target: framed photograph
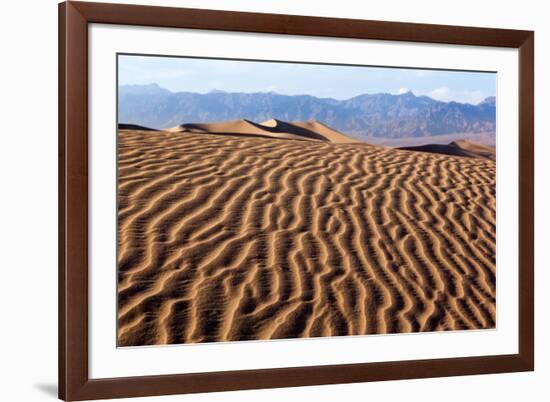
(259, 200)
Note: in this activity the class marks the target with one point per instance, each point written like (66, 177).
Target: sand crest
(458, 148)
(307, 131)
(241, 231)
(125, 126)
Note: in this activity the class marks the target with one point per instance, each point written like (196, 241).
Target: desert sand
(303, 131)
(487, 139)
(458, 148)
(244, 231)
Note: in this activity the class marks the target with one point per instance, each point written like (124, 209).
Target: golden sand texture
(227, 238)
(304, 131)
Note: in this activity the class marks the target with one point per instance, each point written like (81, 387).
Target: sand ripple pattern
(223, 238)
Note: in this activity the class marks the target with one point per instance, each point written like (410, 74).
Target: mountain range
(368, 115)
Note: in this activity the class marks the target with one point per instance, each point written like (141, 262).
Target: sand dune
(228, 237)
(487, 139)
(458, 148)
(312, 126)
(124, 126)
(309, 131)
(476, 149)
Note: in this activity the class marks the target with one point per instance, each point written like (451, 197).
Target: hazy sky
(325, 81)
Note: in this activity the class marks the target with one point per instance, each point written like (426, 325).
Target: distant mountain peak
(490, 100)
(368, 115)
(409, 93)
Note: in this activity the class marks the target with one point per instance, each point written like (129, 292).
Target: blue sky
(326, 81)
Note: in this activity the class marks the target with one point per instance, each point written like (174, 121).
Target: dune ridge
(465, 148)
(307, 131)
(226, 237)
(127, 126)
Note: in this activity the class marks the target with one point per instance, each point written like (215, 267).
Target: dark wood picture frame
(74, 382)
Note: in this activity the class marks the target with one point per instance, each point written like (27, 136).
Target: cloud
(401, 91)
(442, 94)
(446, 94)
(273, 88)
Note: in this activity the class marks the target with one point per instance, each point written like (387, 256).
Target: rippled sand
(226, 238)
